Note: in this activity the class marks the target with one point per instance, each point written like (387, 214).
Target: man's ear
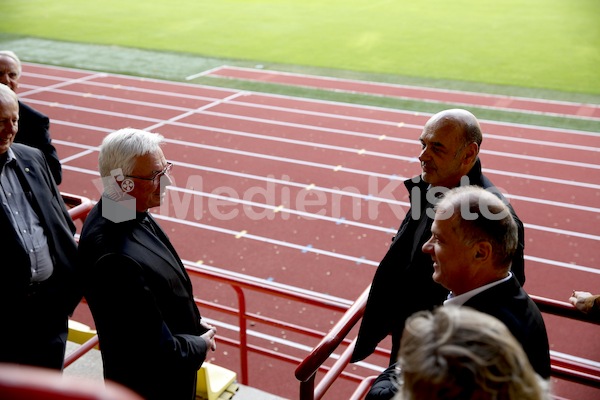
(471, 152)
(483, 251)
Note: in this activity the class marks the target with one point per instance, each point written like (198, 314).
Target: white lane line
(304, 100)
(427, 89)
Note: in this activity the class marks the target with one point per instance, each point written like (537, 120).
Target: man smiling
(450, 145)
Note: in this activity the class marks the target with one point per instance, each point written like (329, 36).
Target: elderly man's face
(9, 73)
(9, 124)
(442, 155)
(149, 192)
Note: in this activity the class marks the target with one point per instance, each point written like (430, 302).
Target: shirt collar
(10, 158)
(463, 298)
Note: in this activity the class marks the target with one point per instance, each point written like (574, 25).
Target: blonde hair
(461, 353)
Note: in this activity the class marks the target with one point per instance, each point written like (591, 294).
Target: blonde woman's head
(460, 353)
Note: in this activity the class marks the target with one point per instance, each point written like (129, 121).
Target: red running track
(308, 193)
(433, 95)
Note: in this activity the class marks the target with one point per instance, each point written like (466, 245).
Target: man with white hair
(152, 336)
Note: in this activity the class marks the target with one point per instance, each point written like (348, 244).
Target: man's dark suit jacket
(510, 304)
(141, 299)
(15, 273)
(402, 284)
(34, 131)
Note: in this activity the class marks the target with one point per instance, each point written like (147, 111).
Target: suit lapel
(158, 246)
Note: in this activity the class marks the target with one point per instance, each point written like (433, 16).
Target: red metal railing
(307, 370)
(79, 207)
(337, 336)
(242, 284)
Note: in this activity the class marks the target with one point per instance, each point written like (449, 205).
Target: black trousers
(34, 327)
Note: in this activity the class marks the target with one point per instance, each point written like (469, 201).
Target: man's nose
(427, 247)
(424, 155)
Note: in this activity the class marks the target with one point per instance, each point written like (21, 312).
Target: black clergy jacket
(142, 303)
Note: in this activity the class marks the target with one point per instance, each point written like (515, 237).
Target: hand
(209, 338)
(582, 301)
(207, 326)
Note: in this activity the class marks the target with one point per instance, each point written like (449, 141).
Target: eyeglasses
(165, 171)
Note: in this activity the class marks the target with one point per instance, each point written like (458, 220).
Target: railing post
(307, 388)
(243, 334)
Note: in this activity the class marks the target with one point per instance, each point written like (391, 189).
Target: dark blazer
(48, 204)
(402, 284)
(141, 299)
(510, 304)
(34, 131)
(15, 273)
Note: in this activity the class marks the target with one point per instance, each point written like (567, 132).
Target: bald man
(403, 284)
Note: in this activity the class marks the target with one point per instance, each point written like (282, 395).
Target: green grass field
(538, 44)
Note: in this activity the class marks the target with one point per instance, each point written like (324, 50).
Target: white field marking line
(425, 100)
(344, 169)
(402, 113)
(285, 244)
(397, 85)
(327, 190)
(338, 255)
(230, 100)
(416, 142)
(553, 203)
(391, 177)
(409, 126)
(55, 87)
(299, 142)
(326, 218)
(282, 243)
(283, 209)
(541, 179)
(216, 88)
(121, 76)
(311, 127)
(299, 99)
(133, 89)
(351, 222)
(284, 182)
(199, 74)
(562, 231)
(190, 112)
(562, 264)
(173, 121)
(380, 199)
(247, 176)
(76, 155)
(337, 220)
(374, 198)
